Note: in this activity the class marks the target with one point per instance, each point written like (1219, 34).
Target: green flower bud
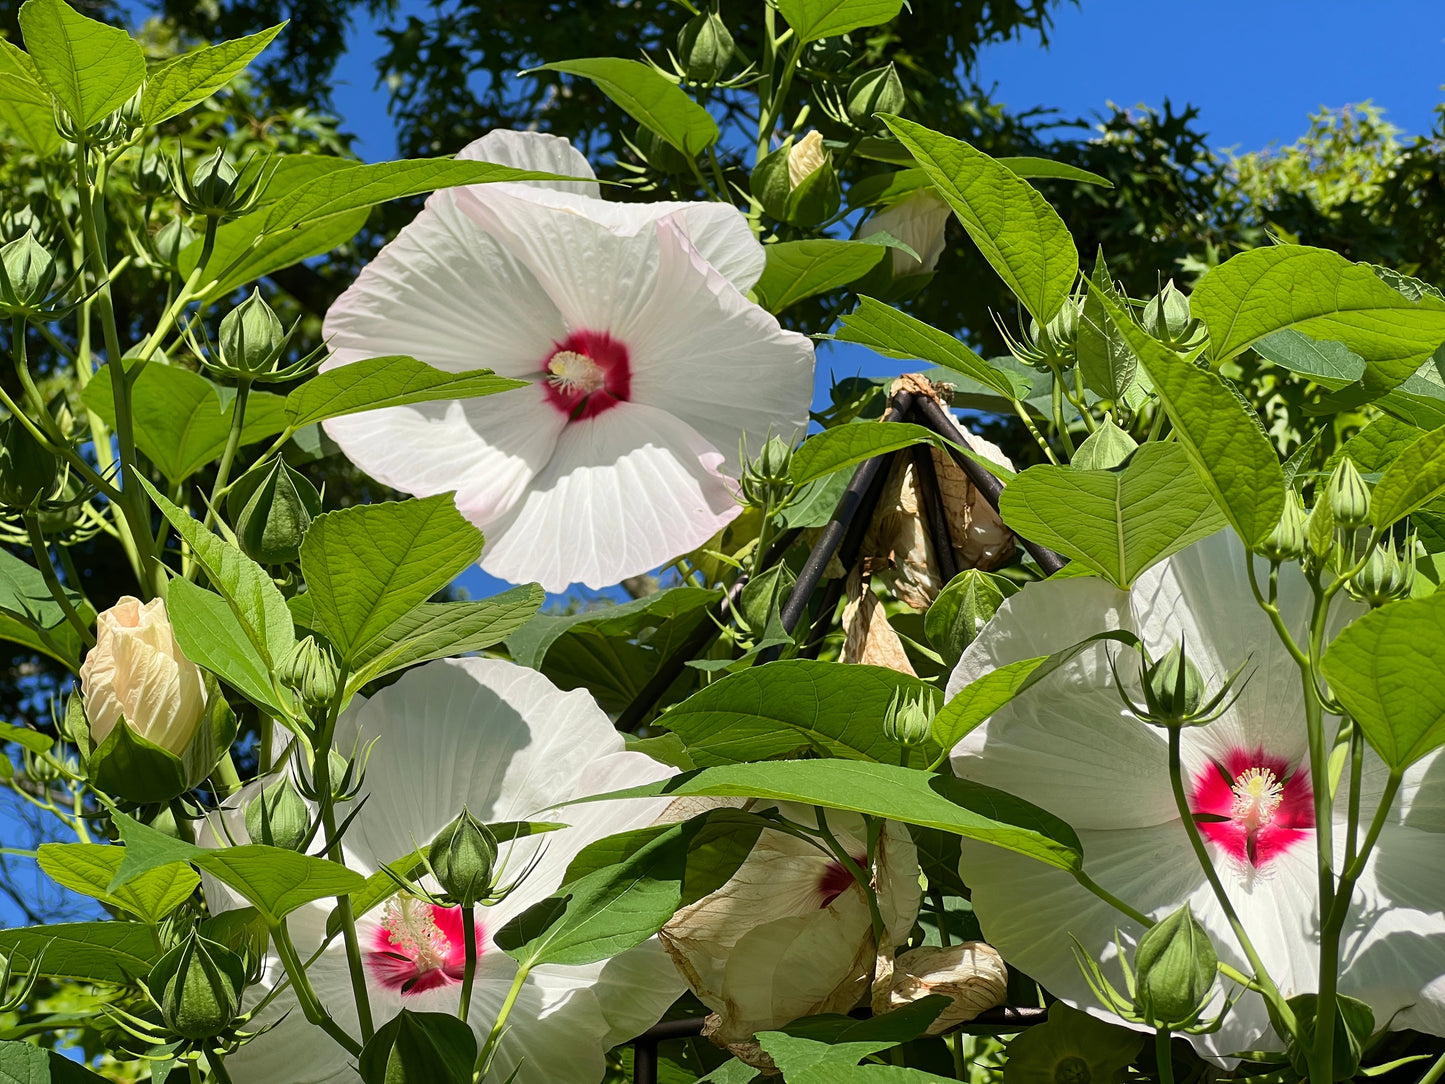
(309, 671)
(279, 816)
(27, 275)
(1166, 318)
(1384, 578)
(763, 597)
(171, 240)
(829, 55)
(705, 47)
(271, 507)
(28, 473)
(797, 184)
(419, 1048)
(213, 186)
(766, 481)
(909, 719)
(1174, 966)
(877, 91)
(770, 184)
(660, 154)
(1288, 540)
(198, 985)
(1173, 689)
(464, 856)
(150, 178)
(1349, 495)
(252, 338)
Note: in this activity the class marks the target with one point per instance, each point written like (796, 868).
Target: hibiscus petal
(539, 151)
(626, 491)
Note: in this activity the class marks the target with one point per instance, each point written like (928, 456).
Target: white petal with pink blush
(1068, 745)
(602, 306)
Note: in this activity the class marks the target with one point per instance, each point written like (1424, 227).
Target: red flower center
(419, 946)
(587, 374)
(835, 881)
(1253, 805)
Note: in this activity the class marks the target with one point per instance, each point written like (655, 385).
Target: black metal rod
(931, 416)
(935, 512)
(644, 1062)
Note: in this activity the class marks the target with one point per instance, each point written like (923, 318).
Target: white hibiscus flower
(648, 363)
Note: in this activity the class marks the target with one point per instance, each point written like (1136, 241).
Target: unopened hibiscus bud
(27, 471)
(766, 482)
(271, 506)
(137, 671)
(909, 719)
(198, 985)
(1288, 539)
(419, 1048)
(763, 597)
(215, 189)
(1173, 688)
(150, 178)
(1349, 495)
(309, 670)
(971, 973)
(279, 816)
(27, 275)
(1056, 343)
(806, 157)
(919, 221)
(1166, 318)
(877, 91)
(1385, 577)
(171, 240)
(705, 47)
(1174, 968)
(252, 337)
(463, 858)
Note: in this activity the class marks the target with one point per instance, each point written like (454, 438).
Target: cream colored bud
(137, 670)
(919, 222)
(806, 158)
(972, 973)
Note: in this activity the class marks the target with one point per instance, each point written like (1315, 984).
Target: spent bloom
(1069, 745)
(136, 670)
(506, 744)
(648, 366)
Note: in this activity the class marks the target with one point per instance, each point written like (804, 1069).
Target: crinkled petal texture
(526, 279)
(790, 934)
(1069, 746)
(503, 741)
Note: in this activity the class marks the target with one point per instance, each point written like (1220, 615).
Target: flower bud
(252, 338)
(1173, 689)
(309, 671)
(705, 47)
(1174, 967)
(463, 857)
(213, 188)
(136, 670)
(1166, 318)
(27, 275)
(878, 91)
(766, 481)
(763, 597)
(1287, 541)
(171, 240)
(150, 178)
(419, 1048)
(971, 973)
(278, 816)
(198, 985)
(909, 720)
(919, 221)
(1349, 495)
(806, 158)
(28, 472)
(1384, 578)
(271, 506)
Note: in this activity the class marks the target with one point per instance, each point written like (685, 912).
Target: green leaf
(89, 868)
(386, 382)
(1020, 235)
(182, 420)
(30, 615)
(649, 98)
(814, 19)
(1325, 296)
(146, 849)
(962, 608)
(1413, 480)
(369, 565)
(773, 710)
(187, 80)
(24, 1063)
(960, 806)
(1048, 170)
(436, 630)
(1106, 363)
(1105, 448)
(1385, 669)
(844, 445)
(1118, 522)
(32, 121)
(799, 269)
(1374, 447)
(212, 635)
(23, 736)
(896, 334)
(90, 67)
(529, 645)
(245, 250)
(251, 594)
(277, 881)
(1234, 458)
(89, 951)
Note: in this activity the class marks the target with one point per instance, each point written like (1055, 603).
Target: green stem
(1321, 1059)
(188, 293)
(52, 581)
(226, 778)
(880, 931)
(1057, 397)
(1023, 413)
(233, 441)
(1112, 900)
(311, 1006)
(1436, 1073)
(217, 1065)
(193, 1070)
(484, 1059)
(469, 971)
(779, 99)
(1162, 1057)
(1352, 823)
(1267, 987)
